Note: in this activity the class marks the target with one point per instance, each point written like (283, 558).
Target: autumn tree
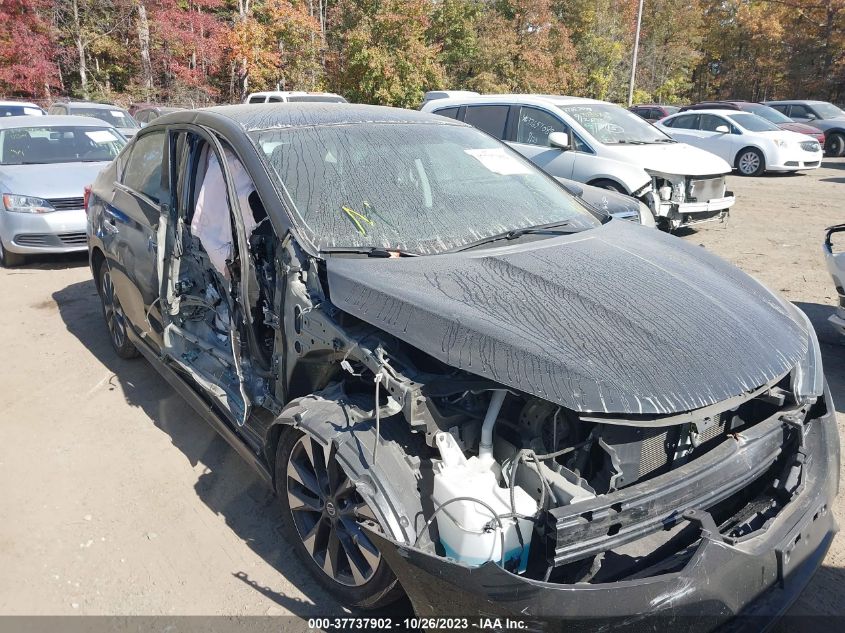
(27, 48)
(277, 44)
(379, 52)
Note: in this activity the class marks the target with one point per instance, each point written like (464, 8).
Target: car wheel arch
(97, 259)
(317, 415)
(746, 148)
(598, 182)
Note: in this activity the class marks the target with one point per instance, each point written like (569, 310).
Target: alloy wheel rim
(326, 509)
(115, 319)
(749, 163)
(836, 145)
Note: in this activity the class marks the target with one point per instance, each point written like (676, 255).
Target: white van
(291, 96)
(604, 145)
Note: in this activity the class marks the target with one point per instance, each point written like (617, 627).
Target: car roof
(524, 99)
(722, 111)
(51, 120)
(262, 116)
(19, 103)
(290, 93)
(794, 101)
(92, 104)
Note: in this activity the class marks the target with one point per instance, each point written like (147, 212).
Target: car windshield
(770, 114)
(418, 188)
(671, 109)
(828, 111)
(753, 123)
(20, 110)
(114, 116)
(58, 144)
(612, 125)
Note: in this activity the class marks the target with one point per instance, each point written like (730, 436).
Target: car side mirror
(723, 129)
(559, 140)
(811, 117)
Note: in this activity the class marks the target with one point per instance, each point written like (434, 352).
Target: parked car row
(821, 120)
(749, 142)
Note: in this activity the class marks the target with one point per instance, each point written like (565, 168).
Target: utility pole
(634, 61)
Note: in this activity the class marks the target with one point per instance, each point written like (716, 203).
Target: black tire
(114, 315)
(609, 185)
(834, 144)
(376, 586)
(10, 259)
(750, 162)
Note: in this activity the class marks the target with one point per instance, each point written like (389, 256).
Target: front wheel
(321, 515)
(10, 259)
(114, 316)
(835, 144)
(750, 162)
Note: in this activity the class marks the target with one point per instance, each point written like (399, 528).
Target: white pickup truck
(604, 145)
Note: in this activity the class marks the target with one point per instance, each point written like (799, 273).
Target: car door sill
(203, 409)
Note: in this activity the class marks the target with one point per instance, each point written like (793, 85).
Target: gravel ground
(118, 499)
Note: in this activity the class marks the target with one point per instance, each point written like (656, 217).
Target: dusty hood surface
(57, 180)
(672, 158)
(619, 319)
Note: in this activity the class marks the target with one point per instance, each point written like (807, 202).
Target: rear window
(452, 113)
(112, 115)
(257, 99)
(685, 122)
(19, 110)
(490, 119)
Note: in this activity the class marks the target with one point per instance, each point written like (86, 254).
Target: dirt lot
(118, 499)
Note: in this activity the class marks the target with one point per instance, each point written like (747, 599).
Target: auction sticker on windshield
(499, 162)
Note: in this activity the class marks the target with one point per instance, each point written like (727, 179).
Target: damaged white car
(464, 384)
(604, 145)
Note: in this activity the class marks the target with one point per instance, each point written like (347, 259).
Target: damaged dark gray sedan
(464, 384)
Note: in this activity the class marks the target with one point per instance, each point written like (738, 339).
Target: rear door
(131, 222)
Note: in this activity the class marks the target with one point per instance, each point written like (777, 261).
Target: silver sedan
(45, 164)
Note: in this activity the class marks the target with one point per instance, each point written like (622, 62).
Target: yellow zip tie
(356, 218)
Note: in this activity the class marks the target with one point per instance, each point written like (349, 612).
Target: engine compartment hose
(485, 447)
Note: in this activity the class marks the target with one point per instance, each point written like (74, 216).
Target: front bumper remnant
(744, 580)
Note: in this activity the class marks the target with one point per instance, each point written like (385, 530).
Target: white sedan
(748, 142)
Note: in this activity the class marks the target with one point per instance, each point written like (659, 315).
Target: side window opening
(488, 118)
(709, 122)
(535, 125)
(142, 171)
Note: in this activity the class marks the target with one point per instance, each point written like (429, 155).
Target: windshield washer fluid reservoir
(469, 532)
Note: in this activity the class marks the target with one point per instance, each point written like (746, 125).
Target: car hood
(618, 319)
(671, 158)
(801, 128)
(57, 180)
